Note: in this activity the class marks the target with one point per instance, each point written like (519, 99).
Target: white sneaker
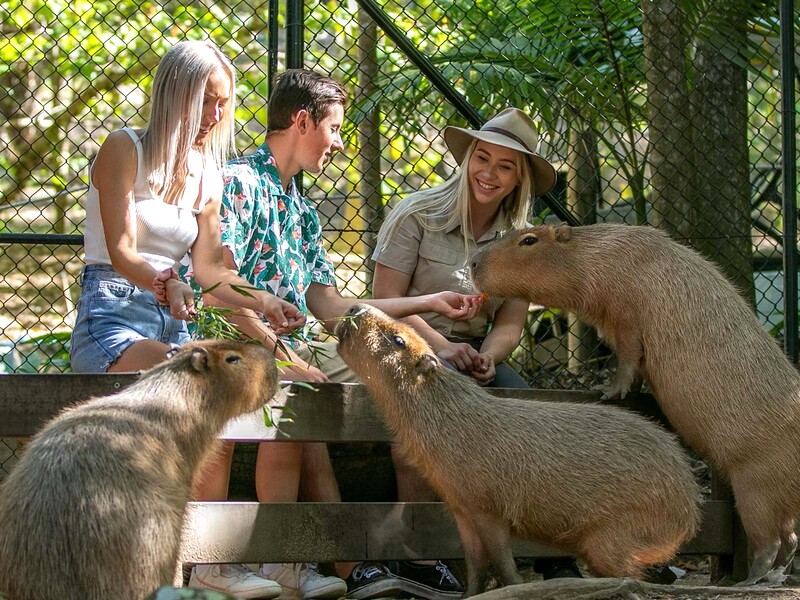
(284, 574)
(313, 585)
(301, 581)
(236, 580)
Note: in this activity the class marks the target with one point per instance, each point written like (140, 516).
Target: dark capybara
(95, 506)
(676, 322)
(592, 480)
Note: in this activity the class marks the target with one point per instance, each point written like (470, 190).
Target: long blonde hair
(176, 116)
(440, 207)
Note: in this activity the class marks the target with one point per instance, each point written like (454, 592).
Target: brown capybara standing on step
(95, 506)
(674, 320)
(596, 481)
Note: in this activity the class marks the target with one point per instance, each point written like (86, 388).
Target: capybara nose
(356, 310)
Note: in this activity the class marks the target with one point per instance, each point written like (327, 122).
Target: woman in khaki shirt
(425, 244)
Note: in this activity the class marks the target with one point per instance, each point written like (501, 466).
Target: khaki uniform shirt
(436, 262)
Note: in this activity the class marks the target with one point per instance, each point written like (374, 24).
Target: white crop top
(164, 232)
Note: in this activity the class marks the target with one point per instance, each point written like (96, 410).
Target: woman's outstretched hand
(459, 307)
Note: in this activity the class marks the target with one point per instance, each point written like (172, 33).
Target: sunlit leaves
(87, 62)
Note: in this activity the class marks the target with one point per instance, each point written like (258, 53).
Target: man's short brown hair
(302, 89)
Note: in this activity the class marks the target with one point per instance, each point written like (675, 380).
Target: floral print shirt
(275, 235)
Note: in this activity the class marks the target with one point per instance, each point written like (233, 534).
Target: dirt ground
(629, 589)
(694, 585)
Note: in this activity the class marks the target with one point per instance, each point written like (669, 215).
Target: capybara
(95, 506)
(675, 321)
(593, 480)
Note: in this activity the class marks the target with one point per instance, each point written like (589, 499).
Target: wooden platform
(251, 532)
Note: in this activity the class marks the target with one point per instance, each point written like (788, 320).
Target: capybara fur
(676, 322)
(592, 480)
(95, 506)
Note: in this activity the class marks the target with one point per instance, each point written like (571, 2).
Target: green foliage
(275, 416)
(47, 353)
(777, 329)
(70, 72)
(211, 323)
(91, 62)
(170, 593)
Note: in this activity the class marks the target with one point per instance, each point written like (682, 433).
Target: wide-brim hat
(510, 128)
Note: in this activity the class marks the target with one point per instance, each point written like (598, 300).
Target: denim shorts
(113, 314)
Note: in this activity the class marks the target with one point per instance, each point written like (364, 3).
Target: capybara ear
(426, 364)
(200, 359)
(563, 233)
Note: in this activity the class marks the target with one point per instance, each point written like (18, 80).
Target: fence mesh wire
(664, 113)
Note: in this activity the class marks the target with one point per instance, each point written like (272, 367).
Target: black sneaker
(372, 580)
(432, 582)
(556, 568)
(660, 574)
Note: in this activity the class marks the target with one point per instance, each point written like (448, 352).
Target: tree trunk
(19, 107)
(670, 133)
(583, 186)
(369, 141)
(723, 229)
(698, 133)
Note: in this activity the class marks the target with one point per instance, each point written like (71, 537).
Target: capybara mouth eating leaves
(593, 480)
(95, 506)
(677, 323)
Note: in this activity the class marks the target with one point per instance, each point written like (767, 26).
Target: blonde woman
(154, 194)
(424, 246)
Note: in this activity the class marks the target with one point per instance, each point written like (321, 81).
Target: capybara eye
(529, 240)
(233, 358)
(399, 341)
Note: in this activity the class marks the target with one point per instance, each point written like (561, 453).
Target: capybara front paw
(774, 578)
(612, 391)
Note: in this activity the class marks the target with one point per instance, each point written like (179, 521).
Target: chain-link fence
(659, 112)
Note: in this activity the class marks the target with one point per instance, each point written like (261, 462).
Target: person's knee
(315, 453)
(283, 453)
(506, 376)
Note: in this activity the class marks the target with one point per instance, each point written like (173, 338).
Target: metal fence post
(294, 34)
(789, 163)
(272, 43)
(295, 46)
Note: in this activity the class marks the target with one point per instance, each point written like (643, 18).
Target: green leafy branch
(213, 322)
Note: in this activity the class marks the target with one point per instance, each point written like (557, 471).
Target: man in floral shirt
(273, 238)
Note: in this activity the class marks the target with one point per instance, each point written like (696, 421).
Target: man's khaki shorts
(324, 356)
